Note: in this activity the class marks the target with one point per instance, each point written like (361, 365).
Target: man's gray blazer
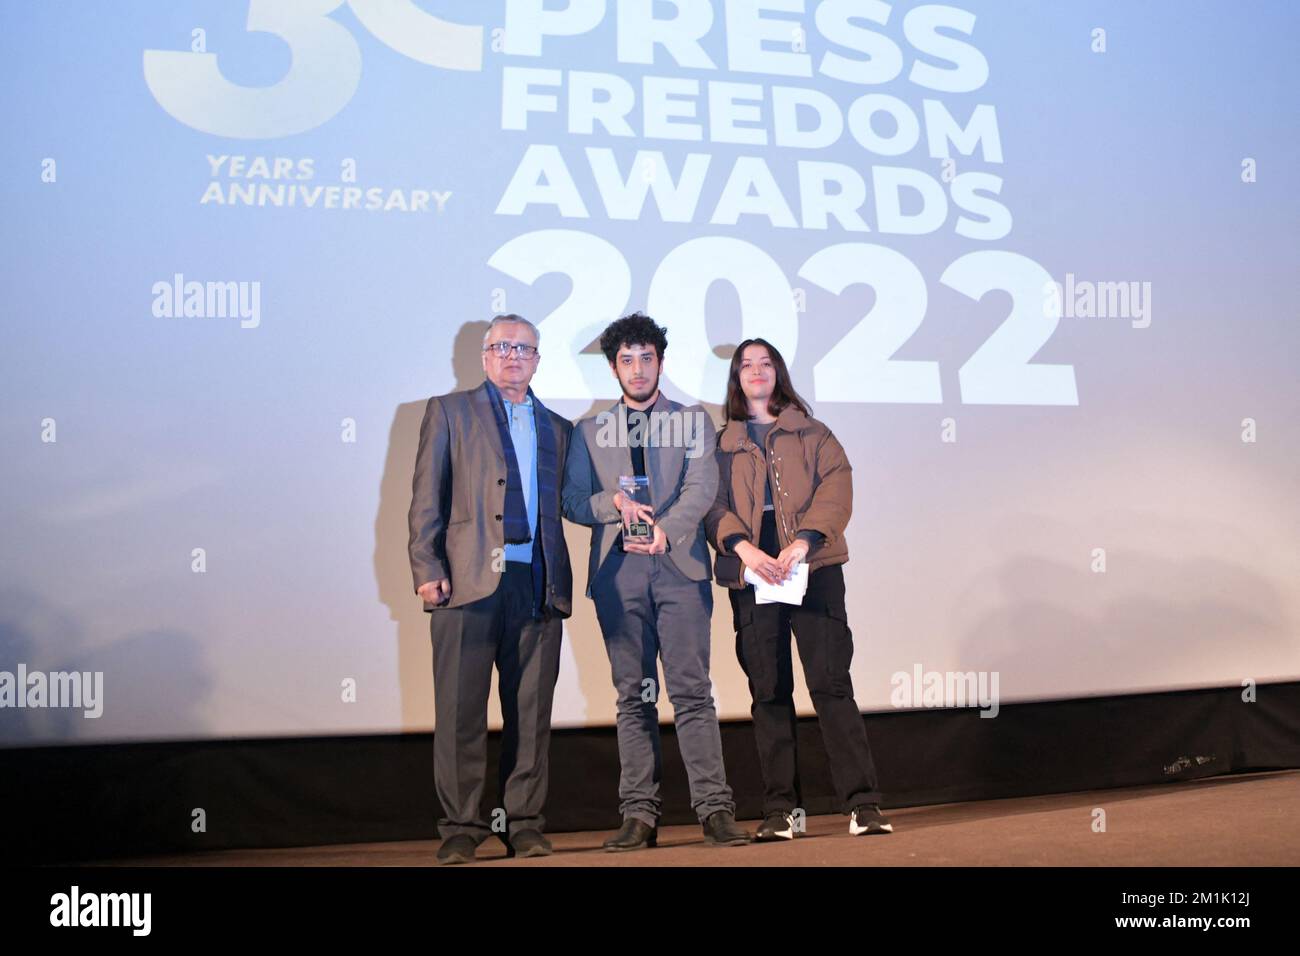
(458, 498)
(683, 473)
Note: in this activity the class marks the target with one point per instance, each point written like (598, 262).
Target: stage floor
(1240, 820)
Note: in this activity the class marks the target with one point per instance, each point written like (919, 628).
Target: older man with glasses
(489, 559)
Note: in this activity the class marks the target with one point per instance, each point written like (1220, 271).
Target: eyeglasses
(505, 348)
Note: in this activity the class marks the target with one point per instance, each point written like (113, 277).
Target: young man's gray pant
(467, 642)
(648, 609)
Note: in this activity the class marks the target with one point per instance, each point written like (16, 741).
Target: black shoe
(635, 835)
(777, 825)
(867, 819)
(720, 830)
(530, 843)
(457, 849)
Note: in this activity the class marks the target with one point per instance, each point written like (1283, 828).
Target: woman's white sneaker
(867, 819)
(776, 826)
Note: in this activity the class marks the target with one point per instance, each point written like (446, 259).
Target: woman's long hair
(783, 394)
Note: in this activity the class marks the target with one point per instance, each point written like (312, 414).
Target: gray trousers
(648, 609)
(468, 642)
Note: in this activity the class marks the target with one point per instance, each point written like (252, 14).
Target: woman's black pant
(821, 628)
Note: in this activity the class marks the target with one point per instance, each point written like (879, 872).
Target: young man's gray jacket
(683, 473)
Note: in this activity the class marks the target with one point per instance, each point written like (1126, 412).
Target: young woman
(785, 493)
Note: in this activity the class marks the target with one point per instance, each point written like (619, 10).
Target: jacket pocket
(728, 570)
(839, 650)
(742, 614)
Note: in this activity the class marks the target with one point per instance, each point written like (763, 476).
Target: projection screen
(244, 242)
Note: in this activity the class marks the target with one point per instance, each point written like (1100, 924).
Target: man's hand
(632, 511)
(658, 545)
(794, 552)
(435, 592)
(760, 562)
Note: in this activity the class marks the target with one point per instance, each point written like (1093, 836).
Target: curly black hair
(635, 329)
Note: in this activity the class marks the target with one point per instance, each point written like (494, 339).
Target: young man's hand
(658, 545)
(632, 511)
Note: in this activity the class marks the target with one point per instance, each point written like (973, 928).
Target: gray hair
(511, 319)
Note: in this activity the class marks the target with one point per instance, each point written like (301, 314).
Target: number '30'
(324, 70)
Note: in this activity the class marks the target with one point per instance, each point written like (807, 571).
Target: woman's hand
(794, 552)
(761, 563)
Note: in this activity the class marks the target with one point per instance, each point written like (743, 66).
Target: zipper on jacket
(765, 456)
(776, 491)
(756, 517)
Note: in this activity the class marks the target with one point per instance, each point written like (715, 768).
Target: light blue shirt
(523, 433)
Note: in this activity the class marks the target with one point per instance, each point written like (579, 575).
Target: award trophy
(636, 490)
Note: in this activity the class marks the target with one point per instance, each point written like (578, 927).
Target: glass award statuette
(636, 490)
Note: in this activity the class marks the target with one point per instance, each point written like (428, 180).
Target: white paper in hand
(790, 591)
